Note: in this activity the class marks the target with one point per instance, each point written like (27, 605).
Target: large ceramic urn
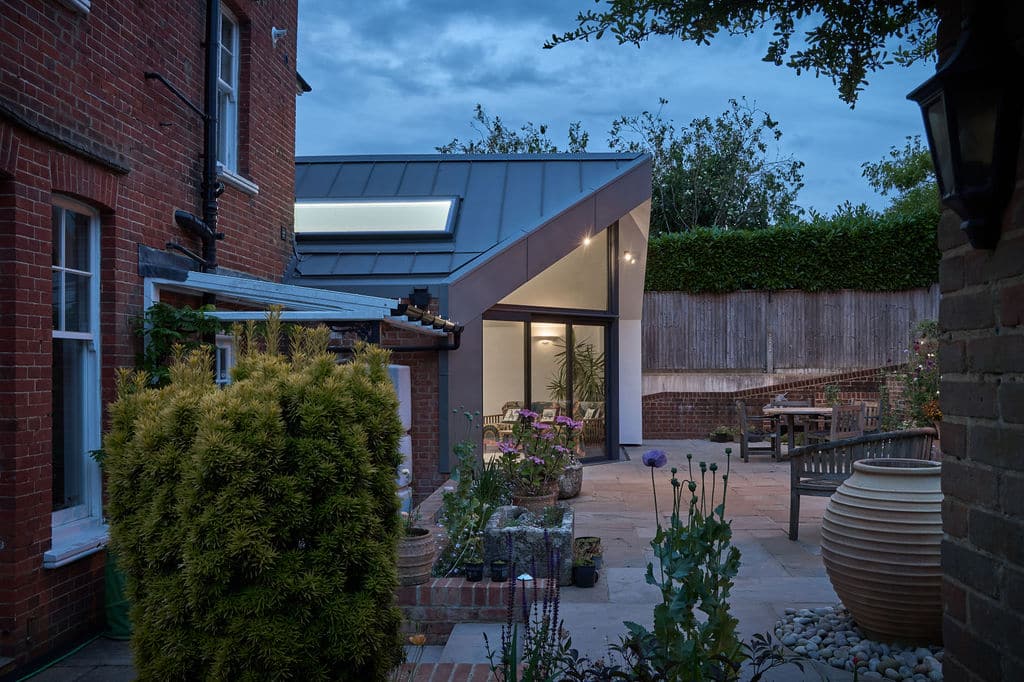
(881, 539)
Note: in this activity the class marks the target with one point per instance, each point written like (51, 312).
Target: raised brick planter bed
(434, 607)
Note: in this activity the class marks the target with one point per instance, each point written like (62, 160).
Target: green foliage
(480, 489)
(696, 567)
(497, 138)
(258, 524)
(855, 250)
(832, 394)
(537, 453)
(164, 327)
(845, 41)
(908, 176)
(587, 372)
(713, 173)
(920, 378)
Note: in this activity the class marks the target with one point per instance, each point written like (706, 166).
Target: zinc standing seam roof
(502, 198)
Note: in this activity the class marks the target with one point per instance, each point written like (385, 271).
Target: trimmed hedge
(257, 525)
(868, 253)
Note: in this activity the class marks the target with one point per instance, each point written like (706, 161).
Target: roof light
(428, 216)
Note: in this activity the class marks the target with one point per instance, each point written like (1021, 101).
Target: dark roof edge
(397, 158)
(639, 160)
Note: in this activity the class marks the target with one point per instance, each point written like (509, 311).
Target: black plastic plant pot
(474, 572)
(499, 571)
(584, 576)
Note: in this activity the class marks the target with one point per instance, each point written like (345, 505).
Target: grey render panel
(502, 200)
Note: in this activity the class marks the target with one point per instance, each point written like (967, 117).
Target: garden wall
(671, 415)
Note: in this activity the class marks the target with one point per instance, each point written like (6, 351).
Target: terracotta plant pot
(416, 552)
(535, 503)
(881, 538)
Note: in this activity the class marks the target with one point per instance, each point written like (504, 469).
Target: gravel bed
(829, 635)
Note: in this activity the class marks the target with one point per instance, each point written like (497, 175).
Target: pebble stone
(828, 634)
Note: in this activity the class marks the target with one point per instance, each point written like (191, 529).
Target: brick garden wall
(981, 318)
(77, 118)
(694, 415)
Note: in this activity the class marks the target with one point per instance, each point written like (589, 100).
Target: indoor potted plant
(416, 551)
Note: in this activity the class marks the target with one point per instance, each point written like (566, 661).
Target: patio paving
(616, 504)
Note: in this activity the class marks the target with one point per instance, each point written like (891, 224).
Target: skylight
(375, 217)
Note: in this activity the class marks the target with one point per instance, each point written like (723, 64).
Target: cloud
(399, 76)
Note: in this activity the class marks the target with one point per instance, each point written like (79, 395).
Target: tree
(496, 138)
(848, 41)
(713, 173)
(908, 175)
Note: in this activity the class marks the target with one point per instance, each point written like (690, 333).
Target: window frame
(79, 530)
(227, 158)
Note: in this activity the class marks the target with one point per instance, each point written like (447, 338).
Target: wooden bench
(819, 469)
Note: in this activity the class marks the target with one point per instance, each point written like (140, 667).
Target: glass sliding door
(548, 395)
(504, 378)
(589, 387)
(554, 367)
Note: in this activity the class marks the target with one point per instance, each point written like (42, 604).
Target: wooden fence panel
(755, 330)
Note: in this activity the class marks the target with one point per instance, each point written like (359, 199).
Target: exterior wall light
(628, 257)
(586, 241)
(972, 116)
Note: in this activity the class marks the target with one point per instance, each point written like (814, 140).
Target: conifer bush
(257, 525)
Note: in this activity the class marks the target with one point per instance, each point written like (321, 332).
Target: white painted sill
(237, 181)
(70, 545)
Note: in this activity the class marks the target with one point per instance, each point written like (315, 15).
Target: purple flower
(528, 414)
(562, 450)
(548, 435)
(563, 420)
(541, 426)
(536, 460)
(655, 459)
(508, 447)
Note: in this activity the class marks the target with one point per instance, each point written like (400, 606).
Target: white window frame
(227, 158)
(79, 531)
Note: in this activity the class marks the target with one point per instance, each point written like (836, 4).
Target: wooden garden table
(790, 413)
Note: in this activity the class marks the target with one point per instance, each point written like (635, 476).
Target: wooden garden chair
(819, 469)
(759, 439)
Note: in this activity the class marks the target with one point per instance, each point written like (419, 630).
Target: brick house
(981, 317)
(101, 142)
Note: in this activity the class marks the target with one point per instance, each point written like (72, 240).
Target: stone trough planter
(528, 548)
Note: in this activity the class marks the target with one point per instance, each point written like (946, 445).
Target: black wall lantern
(972, 115)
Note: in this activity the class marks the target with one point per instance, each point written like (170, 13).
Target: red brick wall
(78, 118)
(981, 319)
(694, 415)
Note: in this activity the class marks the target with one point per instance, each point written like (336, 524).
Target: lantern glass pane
(976, 120)
(936, 113)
